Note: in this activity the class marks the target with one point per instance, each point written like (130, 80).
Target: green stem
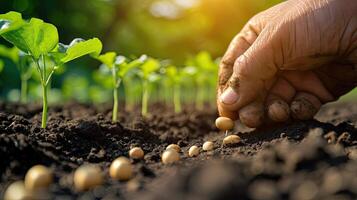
(144, 103)
(23, 97)
(44, 108)
(177, 98)
(199, 98)
(116, 84)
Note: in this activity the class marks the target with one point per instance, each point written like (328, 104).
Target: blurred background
(165, 29)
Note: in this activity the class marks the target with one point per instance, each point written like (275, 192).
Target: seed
(174, 147)
(224, 123)
(17, 191)
(121, 169)
(87, 177)
(37, 177)
(231, 139)
(193, 151)
(136, 153)
(208, 146)
(170, 156)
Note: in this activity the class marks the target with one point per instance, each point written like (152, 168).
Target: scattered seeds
(121, 169)
(17, 191)
(37, 177)
(193, 151)
(231, 139)
(87, 177)
(136, 153)
(208, 146)
(224, 123)
(175, 147)
(170, 156)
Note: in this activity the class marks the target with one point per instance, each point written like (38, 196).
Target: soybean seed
(193, 151)
(121, 169)
(87, 177)
(208, 146)
(37, 177)
(224, 123)
(174, 147)
(17, 191)
(136, 153)
(231, 139)
(170, 156)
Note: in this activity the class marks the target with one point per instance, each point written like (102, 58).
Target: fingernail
(229, 96)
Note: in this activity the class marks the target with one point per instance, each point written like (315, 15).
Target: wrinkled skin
(288, 61)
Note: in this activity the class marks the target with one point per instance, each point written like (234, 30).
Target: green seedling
(148, 74)
(40, 40)
(175, 77)
(119, 66)
(204, 75)
(21, 60)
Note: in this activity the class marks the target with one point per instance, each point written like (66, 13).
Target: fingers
(237, 47)
(305, 106)
(252, 115)
(277, 109)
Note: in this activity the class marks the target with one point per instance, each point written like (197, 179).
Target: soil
(315, 159)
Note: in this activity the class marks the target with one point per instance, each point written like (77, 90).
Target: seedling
(40, 40)
(119, 67)
(174, 147)
(193, 151)
(38, 177)
(136, 153)
(121, 169)
(203, 70)
(87, 177)
(170, 156)
(175, 77)
(148, 74)
(208, 146)
(21, 60)
(224, 124)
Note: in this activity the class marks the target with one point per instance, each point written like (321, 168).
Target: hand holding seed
(274, 69)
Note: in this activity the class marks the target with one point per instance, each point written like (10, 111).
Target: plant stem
(177, 98)
(144, 103)
(199, 98)
(44, 108)
(116, 84)
(23, 97)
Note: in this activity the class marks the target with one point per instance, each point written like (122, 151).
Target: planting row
(37, 48)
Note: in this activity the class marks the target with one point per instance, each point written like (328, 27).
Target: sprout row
(37, 47)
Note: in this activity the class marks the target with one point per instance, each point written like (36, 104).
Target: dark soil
(314, 159)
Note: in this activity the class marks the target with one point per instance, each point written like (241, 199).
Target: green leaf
(151, 65)
(80, 47)
(108, 59)
(35, 37)
(10, 21)
(11, 53)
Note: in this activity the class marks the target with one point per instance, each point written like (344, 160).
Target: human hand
(289, 60)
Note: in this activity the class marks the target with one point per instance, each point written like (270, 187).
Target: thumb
(253, 73)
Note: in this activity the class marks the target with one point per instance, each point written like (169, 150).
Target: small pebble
(38, 177)
(224, 123)
(231, 139)
(170, 156)
(208, 146)
(121, 169)
(136, 153)
(87, 177)
(193, 151)
(17, 191)
(174, 147)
